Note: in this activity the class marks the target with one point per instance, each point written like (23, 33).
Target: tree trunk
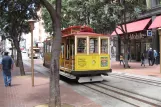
(55, 99)
(20, 62)
(126, 55)
(12, 51)
(17, 65)
(19, 57)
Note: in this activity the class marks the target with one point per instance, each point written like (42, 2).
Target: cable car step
(90, 79)
(67, 75)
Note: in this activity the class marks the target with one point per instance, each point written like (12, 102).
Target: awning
(134, 26)
(156, 23)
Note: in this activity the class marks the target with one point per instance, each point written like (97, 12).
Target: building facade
(39, 34)
(143, 37)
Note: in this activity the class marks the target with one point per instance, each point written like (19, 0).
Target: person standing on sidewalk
(155, 57)
(142, 59)
(6, 65)
(121, 59)
(150, 56)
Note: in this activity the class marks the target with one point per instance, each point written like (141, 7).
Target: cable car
(85, 55)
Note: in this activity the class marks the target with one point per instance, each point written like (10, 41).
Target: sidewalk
(22, 94)
(137, 69)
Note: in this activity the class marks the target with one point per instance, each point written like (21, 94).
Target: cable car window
(72, 47)
(93, 45)
(44, 47)
(49, 46)
(67, 49)
(104, 45)
(82, 45)
(62, 50)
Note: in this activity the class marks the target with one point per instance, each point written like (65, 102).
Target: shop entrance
(138, 51)
(145, 48)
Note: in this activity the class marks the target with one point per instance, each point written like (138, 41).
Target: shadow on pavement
(41, 84)
(14, 85)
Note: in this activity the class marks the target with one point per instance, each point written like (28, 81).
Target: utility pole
(159, 30)
(31, 23)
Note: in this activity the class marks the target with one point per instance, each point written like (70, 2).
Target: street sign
(149, 33)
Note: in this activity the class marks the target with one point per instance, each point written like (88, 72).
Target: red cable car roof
(85, 28)
(84, 34)
(80, 30)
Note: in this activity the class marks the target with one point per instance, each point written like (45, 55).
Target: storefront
(138, 43)
(139, 39)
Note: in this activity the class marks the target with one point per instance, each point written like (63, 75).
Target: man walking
(155, 57)
(150, 56)
(6, 65)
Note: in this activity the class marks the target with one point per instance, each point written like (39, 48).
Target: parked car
(36, 53)
(24, 51)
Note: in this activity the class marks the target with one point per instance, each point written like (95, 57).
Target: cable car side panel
(92, 62)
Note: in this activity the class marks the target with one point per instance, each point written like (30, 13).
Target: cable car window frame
(62, 50)
(44, 47)
(106, 48)
(67, 49)
(96, 45)
(85, 47)
(49, 46)
(70, 46)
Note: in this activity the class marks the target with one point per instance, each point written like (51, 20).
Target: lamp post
(159, 30)
(31, 23)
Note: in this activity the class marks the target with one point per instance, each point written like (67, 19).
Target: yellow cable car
(84, 54)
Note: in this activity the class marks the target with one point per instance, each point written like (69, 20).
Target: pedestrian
(150, 56)
(6, 65)
(155, 57)
(128, 56)
(121, 59)
(142, 59)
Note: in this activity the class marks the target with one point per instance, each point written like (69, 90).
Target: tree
(83, 12)
(75, 12)
(13, 16)
(121, 12)
(15, 13)
(55, 14)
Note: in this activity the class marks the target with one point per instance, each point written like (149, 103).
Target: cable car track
(137, 79)
(128, 97)
(104, 93)
(104, 83)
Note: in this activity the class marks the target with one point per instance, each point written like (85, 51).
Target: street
(117, 90)
(110, 50)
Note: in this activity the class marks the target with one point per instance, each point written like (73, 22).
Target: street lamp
(159, 30)
(31, 23)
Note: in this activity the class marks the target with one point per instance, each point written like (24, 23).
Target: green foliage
(102, 15)
(82, 12)
(126, 11)
(14, 16)
(47, 21)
